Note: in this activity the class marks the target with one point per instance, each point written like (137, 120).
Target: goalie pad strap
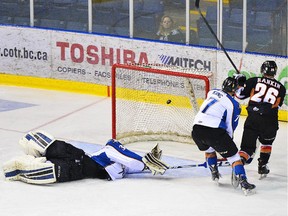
(41, 176)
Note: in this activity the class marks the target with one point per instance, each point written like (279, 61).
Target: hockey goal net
(156, 102)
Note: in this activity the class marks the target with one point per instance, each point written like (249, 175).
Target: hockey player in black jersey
(49, 160)
(266, 96)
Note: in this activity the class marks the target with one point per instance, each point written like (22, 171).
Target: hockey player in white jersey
(213, 129)
(49, 160)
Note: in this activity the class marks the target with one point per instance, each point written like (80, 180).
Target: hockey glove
(240, 78)
(154, 165)
(156, 152)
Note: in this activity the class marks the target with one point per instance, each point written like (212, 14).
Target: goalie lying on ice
(49, 160)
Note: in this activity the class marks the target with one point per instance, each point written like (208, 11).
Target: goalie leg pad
(30, 170)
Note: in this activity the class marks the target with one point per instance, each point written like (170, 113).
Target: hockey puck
(168, 101)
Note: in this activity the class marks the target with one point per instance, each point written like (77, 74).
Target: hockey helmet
(35, 143)
(269, 68)
(229, 85)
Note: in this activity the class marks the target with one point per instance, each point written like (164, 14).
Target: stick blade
(197, 2)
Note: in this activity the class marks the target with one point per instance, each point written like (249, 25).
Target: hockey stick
(192, 96)
(197, 2)
(241, 60)
(220, 163)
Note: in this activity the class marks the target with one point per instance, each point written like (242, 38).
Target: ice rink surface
(86, 119)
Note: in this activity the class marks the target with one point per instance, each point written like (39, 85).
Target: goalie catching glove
(157, 152)
(154, 165)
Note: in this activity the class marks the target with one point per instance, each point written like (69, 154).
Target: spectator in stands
(168, 32)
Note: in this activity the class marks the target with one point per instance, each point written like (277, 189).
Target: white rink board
(23, 51)
(89, 57)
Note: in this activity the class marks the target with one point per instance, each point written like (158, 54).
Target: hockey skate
(215, 173)
(156, 152)
(263, 169)
(246, 187)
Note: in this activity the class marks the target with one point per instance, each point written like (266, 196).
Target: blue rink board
(171, 161)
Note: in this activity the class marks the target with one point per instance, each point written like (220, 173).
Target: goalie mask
(269, 68)
(35, 143)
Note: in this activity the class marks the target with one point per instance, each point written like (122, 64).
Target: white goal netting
(156, 102)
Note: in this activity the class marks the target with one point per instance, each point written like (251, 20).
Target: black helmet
(229, 85)
(269, 68)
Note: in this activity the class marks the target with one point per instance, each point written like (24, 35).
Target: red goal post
(156, 102)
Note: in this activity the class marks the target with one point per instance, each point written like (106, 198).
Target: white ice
(82, 118)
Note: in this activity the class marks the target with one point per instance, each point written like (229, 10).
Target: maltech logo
(186, 62)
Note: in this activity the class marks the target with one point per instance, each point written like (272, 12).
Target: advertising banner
(89, 57)
(25, 51)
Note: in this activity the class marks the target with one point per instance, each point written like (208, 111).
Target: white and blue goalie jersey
(219, 110)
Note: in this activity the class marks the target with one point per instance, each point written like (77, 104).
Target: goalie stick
(161, 165)
(220, 163)
(197, 2)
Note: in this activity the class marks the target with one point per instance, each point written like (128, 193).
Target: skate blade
(235, 182)
(216, 181)
(262, 176)
(248, 192)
